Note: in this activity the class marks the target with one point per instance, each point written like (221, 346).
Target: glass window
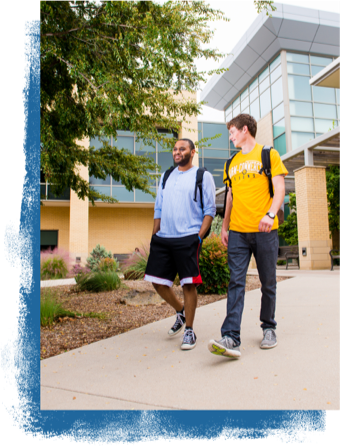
(215, 167)
(277, 95)
(229, 117)
(275, 74)
(123, 142)
(65, 195)
(264, 74)
(264, 85)
(144, 197)
(302, 124)
(275, 63)
(279, 128)
(337, 95)
(253, 85)
(254, 94)
(122, 194)
(324, 94)
(105, 190)
(298, 139)
(212, 153)
(325, 111)
(324, 61)
(229, 110)
(245, 103)
(146, 150)
(236, 102)
(125, 133)
(299, 88)
(280, 144)
(210, 130)
(338, 111)
(296, 68)
(99, 181)
(265, 103)
(115, 183)
(316, 70)
(165, 160)
(199, 128)
(237, 110)
(301, 108)
(301, 58)
(246, 110)
(98, 143)
(254, 110)
(278, 112)
(324, 125)
(48, 239)
(43, 192)
(244, 94)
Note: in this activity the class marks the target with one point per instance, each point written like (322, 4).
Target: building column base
(317, 254)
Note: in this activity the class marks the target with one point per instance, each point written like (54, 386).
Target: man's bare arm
(156, 225)
(266, 223)
(226, 220)
(206, 223)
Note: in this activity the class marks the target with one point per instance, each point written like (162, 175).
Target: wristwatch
(271, 215)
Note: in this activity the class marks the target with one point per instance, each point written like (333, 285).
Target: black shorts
(169, 256)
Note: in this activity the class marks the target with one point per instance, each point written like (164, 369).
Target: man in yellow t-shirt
(250, 227)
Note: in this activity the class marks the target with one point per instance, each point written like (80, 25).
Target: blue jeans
(241, 245)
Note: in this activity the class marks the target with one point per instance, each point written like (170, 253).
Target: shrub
(98, 281)
(79, 270)
(134, 267)
(216, 225)
(288, 230)
(108, 264)
(96, 255)
(54, 264)
(214, 266)
(50, 309)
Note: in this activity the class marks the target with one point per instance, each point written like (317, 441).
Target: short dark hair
(241, 120)
(191, 144)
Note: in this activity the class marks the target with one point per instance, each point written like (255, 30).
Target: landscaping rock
(136, 297)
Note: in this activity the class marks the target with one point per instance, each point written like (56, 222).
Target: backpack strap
(266, 167)
(199, 182)
(166, 175)
(227, 180)
(198, 185)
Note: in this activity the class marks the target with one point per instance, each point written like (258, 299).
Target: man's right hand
(224, 237)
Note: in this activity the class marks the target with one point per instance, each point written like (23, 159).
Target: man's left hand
(266, 224)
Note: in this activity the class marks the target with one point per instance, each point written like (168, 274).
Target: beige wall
(120, 230)
(189, 128)
(57, 219)
(264, 135)
(79, 218)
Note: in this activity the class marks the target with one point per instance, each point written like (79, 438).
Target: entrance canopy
(321, 151)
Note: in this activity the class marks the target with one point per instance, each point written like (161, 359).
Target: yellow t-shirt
(251, 198)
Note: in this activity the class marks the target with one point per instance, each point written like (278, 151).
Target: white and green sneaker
(269, 338)
(225, 347)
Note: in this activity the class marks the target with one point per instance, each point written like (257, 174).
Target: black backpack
(198, 185)
(266, 168)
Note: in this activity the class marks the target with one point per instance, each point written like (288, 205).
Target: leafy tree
(333, 178)
(117, 65)
(288, 229)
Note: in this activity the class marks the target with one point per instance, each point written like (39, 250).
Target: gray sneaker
(269, 338)
(225, 347)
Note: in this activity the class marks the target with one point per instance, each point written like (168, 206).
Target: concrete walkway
(144, 369)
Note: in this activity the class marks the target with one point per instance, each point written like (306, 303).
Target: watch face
(271, 215)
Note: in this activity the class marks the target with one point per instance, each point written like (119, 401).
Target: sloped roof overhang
(329, 76)
(289, 28)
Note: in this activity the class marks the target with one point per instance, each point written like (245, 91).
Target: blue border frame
(111, 425)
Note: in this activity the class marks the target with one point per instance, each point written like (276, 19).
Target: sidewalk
(144, 369)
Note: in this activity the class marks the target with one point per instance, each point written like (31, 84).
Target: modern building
(268, 76)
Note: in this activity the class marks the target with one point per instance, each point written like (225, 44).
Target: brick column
(79, 220)
(312, 217)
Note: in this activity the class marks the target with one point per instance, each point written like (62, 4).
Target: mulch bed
(69, 333)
